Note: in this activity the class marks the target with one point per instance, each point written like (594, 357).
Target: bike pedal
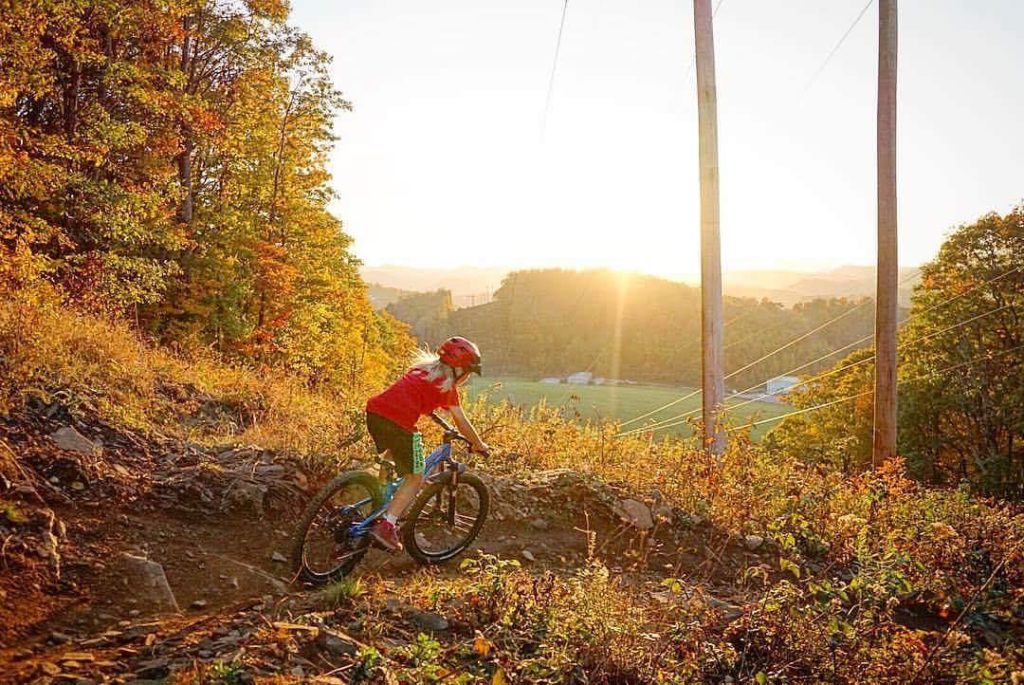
(379, 545)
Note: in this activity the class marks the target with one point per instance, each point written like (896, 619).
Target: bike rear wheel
(323, 550)
(445, 519)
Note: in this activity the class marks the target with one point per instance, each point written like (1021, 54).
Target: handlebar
(450, 432)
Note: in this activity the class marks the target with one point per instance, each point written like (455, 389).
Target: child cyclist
(431, 383)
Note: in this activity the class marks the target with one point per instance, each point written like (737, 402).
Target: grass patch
(619, 402)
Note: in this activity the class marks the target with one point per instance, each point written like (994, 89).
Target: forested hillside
(645, 328)
(167, 163)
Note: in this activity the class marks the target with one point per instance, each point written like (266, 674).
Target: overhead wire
(940, 372)
(836, 47)
(683, 418)
(674, 420)
(554, 67)
(770, 354)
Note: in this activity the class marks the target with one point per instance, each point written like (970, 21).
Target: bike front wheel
(324, 550)
(445, 519)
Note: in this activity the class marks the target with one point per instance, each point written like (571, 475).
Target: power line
(799, 338)
(914, 274)
(682, 418)
(941, 372)
(554, 67)
(659, 409)
(838, 45)
(903, 281)
(758, 361)
(675, 420)
(804, 411)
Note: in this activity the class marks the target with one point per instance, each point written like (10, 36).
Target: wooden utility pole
(884, 442)
(712, 355)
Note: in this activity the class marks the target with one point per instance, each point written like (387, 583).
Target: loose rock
(334, 644)
(636, 513)
(753, 542)
(67, 438)
(428, 620)
(151, 582)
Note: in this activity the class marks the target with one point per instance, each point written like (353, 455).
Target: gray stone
(198, 604)
(335, 644)
(730, 612)
(428, 620)
(528, 555)
(150, 582)
(636, 513)
(540, 524)
(753, 542)
(278, 557)
(67, 438)
(152, 670)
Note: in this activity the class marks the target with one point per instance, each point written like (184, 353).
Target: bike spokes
(328, 544)
(448, 519)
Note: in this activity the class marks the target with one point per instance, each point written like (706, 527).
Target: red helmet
(460, 353)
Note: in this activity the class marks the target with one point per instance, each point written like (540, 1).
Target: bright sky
(442, 162)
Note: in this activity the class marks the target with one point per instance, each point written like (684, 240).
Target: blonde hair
(437, 371)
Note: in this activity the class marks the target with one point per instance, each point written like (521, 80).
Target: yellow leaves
(787, 565)
(499, 678)
(481, 645)
(942, 531)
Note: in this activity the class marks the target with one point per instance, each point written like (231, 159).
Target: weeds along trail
(123, 545)
(572, 575)
(605, 560)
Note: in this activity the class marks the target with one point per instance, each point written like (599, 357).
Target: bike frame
(441, 455)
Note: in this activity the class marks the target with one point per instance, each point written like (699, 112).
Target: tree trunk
(74, 84)
(187, 138)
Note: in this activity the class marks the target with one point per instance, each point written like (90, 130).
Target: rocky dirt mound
(127, 558)
(76, 496)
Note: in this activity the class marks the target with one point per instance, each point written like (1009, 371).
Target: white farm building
(780, 384)
(580, 378)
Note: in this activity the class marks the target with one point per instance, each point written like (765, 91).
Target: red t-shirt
(411, 397)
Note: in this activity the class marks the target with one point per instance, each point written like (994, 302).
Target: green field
(622, 402)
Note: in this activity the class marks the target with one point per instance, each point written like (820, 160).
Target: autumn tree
(169, 163)
(961, 376)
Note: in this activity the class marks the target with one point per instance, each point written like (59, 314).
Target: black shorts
(406, 448)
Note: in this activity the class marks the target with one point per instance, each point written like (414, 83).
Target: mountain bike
(443, 520)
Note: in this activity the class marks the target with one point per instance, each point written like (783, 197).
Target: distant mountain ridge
(471, 285)
(789, 288)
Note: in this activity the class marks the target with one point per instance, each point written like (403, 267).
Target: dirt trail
(218, 525)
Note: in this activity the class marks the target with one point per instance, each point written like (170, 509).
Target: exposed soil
(218, 522)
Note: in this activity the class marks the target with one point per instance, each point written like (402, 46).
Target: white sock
(390, 518)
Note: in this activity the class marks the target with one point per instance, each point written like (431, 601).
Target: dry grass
(92, 364)
(849, 552)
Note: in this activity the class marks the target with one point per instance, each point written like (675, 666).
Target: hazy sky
(442, 162)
